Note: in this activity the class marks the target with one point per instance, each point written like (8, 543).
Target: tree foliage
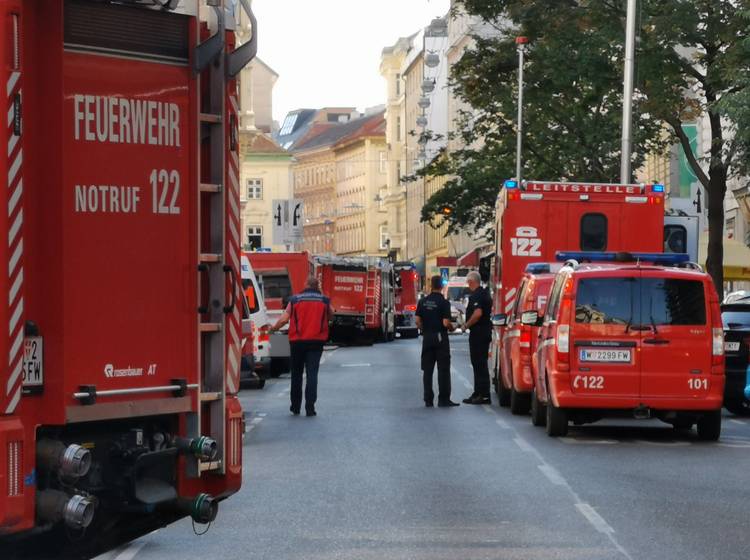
(691, 54)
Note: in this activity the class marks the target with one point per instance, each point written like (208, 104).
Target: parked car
(627, 335)
(736, 319)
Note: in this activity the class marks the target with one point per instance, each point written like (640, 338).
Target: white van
(456, 291)
(259, 319)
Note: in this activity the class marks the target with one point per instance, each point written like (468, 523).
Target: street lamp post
(627, 96)
(521, 43)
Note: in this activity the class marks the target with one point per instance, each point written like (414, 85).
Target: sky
(327, 52)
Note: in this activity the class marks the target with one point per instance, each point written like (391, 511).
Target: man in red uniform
(307, 314)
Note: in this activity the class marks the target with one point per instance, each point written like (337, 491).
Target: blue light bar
(658, 187)
(510, 184)
(538, 268)
(597, 256)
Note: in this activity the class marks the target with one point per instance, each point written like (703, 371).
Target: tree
(689, 57)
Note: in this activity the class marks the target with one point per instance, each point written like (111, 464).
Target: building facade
(265, 176)
(361, 187)
(391, 66)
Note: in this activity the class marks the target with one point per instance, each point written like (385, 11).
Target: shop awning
(736, 257)
(469, 259)
(446, 262)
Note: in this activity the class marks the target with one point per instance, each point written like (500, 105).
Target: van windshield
(669, 301)
(276, 286)
(640, 301)
(455, 293)
(606, 300)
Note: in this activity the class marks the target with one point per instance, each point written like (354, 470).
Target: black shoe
(470, 398)
(311, 413)
(429, 404)
(294, 411)
(479, 399)
(444, 404)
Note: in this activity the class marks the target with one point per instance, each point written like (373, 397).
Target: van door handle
(655, 341)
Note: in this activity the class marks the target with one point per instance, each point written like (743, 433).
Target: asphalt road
(377, 476)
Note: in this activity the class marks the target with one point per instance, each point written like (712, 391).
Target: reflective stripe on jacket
(308, 317)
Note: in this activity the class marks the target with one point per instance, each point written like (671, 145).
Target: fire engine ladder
(217, 278)
(371, 292)
(212, 265)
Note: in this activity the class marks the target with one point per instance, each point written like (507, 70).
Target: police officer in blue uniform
(434, 320)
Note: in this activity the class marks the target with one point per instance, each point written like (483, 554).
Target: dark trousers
(479, 347)
(305, 357)
(436, 349)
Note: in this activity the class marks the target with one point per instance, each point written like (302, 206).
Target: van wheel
(503, 394)
(538, 411)
(709, 426)
(557, 421)
(519, 402)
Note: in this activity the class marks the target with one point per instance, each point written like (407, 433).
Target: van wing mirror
(530, 318)
(499, 320)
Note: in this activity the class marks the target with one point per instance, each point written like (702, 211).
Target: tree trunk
(717, 188)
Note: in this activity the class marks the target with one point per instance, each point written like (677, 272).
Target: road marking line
(262, 414)
(552, 474)
(577, 441)
(523, 444)
(557, 478)
(740, 422)
(355, 365)
(502, 423)
(256, 420)
(594, 518)
(487, 408)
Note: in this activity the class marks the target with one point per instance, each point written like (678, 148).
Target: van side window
(517, 305)
(670, 301)
(554, 298)
(675, 238)
(594, 232)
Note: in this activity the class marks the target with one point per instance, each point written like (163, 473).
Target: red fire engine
(362, 296)
(118, 406)
(536, 219)
(407, 289)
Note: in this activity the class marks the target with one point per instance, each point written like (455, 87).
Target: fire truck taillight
(411, 307)
(264, 336)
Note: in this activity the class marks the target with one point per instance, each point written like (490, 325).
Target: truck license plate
(602, 355)
(33, 362)
(731, 346)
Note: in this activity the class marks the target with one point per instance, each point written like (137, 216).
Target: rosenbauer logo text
(111, 371)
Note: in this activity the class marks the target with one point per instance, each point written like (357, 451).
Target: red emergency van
(626, 335)
(535, 219)
(406, 279)
(280, 275)
(520, 341)
(362, 297)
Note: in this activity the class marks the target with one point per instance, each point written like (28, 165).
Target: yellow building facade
(265, 175)
(361, 185)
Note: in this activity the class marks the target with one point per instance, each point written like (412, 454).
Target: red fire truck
(362, 296)
(536, 219)
(280, 276)
(118, 406)
(406, 279)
